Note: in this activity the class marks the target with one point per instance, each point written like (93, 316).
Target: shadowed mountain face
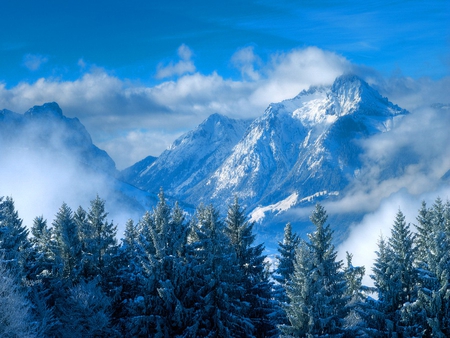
(47, 129)
(48, 158)
(299, 149)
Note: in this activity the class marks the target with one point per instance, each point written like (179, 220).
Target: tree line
(170, 276)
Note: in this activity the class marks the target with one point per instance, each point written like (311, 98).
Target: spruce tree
(67, 245)
(161, 245)
(219, 307)
(14, 244)
(317, 291)
(355, 321)
(434, 293)
(284, 270)
(286, 260)
(257, 287)
(99, 245)
(404, 271)
(15, 309)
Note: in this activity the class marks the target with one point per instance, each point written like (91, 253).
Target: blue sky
(128, 70)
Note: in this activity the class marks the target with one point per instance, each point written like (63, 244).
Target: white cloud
(34, 61)
(362, 241)
(183, 66)
(81, 63)
(245, 60)
(112, 109)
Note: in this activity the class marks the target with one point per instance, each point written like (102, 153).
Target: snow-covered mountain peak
(350, 94)
(50, 109)
(323, 105)
(214, 129)
(300, 149)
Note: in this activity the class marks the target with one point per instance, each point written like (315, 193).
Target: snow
(297, 145)
(259, 213)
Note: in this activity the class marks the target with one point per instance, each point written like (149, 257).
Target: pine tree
(317, 291)
(434, 260)
(284, 270)
(42, 256)
(99, 241)
(219, 307)
(161, 246)
(14, 244)
(258, 289)
(67, 246)
(15, 308)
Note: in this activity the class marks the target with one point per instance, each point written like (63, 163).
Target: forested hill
(169, 277)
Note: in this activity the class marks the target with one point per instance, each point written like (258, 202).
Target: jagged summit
(306, 146)
(45, 128)
(46, 110)
(192, 157)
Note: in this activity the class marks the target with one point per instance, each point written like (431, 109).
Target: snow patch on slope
(259, 213)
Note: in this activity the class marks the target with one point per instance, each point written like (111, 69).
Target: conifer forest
(169, 275)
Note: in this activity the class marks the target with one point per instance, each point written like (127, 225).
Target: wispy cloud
(123, 115)
(247, 61)
(183, 66)
(34, 61)
(120, 114)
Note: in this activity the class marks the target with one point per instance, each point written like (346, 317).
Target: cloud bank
(144, 120)
(132, 120)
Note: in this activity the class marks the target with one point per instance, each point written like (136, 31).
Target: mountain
(46, 128)
(190, 160)
(298, 151)
(48, 158)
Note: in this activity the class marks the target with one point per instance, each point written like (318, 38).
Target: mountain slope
(48, 158)
(300, 149)
(45, 127)
(191, 158)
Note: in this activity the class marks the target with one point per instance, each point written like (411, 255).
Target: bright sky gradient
(140, 73)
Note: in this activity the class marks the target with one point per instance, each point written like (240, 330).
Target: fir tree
(284, 270)
(286, 259)
(317, 291)
(99, 241)
(434, 293)
(15, 308)
(87, 312)
(42, 255)
(258, 289)
(219, 307)
(67, 246)
(161, 247)
(355, 321)
(14, 243)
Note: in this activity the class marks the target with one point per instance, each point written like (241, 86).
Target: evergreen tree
(14, 243)
(87, 312)
(317, 291)
(161, 246)
(286, 259)
(219, 307)
(42, 255)
(355, 321)
(129, 275)
(284, 270)
(434, 293)
(258, 288)
(404, 271)
(99, 243)
(67, 246)
(15, 308)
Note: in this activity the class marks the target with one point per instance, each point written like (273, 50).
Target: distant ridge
(299, 150)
